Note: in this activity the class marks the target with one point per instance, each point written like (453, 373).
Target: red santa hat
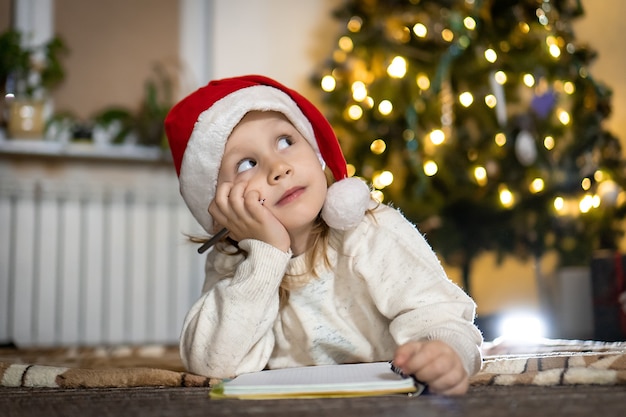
(199, 126)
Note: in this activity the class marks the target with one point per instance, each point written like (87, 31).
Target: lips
(290, 195)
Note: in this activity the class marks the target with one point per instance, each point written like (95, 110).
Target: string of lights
(481, 121)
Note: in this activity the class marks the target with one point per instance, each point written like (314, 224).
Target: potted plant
(27, 75)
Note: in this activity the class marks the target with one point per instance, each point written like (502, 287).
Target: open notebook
(347, 380)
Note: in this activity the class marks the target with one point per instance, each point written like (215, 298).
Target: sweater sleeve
(409, 286)
(228, 331)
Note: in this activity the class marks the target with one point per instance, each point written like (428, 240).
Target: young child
(309, 274)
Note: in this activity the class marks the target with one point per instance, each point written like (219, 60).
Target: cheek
(321, 187)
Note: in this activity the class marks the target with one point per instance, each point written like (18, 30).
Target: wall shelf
(28, 148)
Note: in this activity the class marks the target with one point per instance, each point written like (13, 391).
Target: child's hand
(435, 363)
(242, 212)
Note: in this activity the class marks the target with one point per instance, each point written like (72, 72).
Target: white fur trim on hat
(346, 203)
(205, 149)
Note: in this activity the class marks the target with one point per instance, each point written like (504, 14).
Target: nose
(279, 170)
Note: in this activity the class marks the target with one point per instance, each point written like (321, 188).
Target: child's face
(267, 152)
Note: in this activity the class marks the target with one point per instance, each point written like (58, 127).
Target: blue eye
(245, 165)
(284, 142)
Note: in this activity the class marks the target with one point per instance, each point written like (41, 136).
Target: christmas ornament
(525, 148)
(543, 104)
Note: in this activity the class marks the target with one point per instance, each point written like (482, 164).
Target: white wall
(283, 39)
(602, 28)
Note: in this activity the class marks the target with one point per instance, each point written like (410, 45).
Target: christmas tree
(480, 120)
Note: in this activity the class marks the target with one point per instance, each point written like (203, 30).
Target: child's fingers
(221, 194)
(450, 386)
(222, 203)
(236, 198)
(428, 366)
(445, 376)
(434, 363)
(253, 202)
(218, 208)
(408, 357)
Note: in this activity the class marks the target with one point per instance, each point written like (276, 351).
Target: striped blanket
(547, 363)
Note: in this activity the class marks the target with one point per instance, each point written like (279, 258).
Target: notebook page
(359, 374)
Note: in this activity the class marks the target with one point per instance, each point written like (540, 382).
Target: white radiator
(88, 263)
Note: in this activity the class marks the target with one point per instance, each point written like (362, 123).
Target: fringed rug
(545, 363)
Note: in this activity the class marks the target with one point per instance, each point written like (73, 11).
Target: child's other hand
(435, 363)
(242, 212)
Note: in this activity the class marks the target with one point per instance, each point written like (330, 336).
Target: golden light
(599, 175)
(328, 83)
(595, 201)
(500, 77)
(345, 43)
(355, 112)
(385, 107)
(437, 137)
(523, 27)
(500, 139)
(466, 99)
(491, 101)
(554, 50)
(569, 87)
(469, 23)
(491, 55)
(559, 204)
(402, 34)
(382, 179)
(506, 197)
(528, 80)
(397, 68)
(563, 116)
(430, 168)
(378, 146)
(359, 91)
(585, 184)
(369, 102)
(339, 56)
(420, 30)
(586, 204)
(537, 185)
(480, 174)
(354, 24)
(351, 170)
(377, 195)
(548, 142)
(422, 81)
(447, 35)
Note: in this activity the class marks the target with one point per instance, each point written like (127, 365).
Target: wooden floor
(496, 401)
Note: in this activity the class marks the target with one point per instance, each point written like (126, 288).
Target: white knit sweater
(386, 287)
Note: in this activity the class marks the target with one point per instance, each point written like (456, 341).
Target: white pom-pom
(346, 203)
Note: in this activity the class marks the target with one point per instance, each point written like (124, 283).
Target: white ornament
(525, 148)
(608, 191)
(498, 92)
